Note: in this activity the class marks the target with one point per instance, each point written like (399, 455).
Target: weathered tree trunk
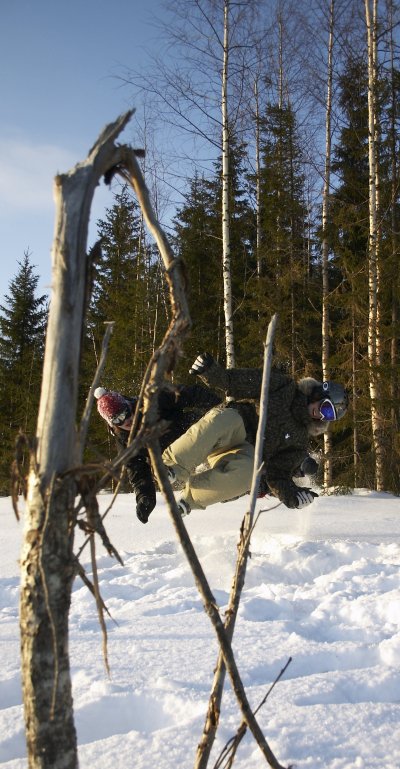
(47, 568)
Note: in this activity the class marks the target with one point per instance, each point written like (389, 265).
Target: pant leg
(230, 476)
(218, 431)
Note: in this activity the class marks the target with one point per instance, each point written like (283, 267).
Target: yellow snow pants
(220, 439)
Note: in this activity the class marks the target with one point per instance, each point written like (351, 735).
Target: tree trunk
(47, 567)
(394, 271)
(325, 245)
(356, 452)
(373, 248)
(258, 177)
(226, 251)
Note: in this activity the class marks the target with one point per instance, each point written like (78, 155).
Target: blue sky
(60, 63)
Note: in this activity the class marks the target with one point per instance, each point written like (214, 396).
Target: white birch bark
(371, 23)
(394, 411)
(258, 176)
(325, 245)
(226, 250)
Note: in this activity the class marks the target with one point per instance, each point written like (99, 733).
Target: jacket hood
(306, 386)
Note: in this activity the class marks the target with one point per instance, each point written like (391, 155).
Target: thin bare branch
(96, 379)
(214, 705)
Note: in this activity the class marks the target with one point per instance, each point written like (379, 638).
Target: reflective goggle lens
(327, 410)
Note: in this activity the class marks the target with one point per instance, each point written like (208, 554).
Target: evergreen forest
(296, 210)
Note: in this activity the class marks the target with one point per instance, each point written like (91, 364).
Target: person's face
(313, 410)
(323, 409)
(127, 424)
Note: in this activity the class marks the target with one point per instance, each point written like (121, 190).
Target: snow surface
(322, 586)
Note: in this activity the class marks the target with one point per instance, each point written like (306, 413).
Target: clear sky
(60, 62)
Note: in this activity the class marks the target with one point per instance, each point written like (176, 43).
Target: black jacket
(181, 406)
(289, 426)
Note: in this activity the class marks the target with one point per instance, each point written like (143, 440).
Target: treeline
(291, 250)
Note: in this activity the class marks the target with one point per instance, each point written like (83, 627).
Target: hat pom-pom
(99, 392)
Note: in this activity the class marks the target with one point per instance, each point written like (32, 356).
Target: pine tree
(127, 291)
(198, 241)
(286, 281)
(22, 324)
(348, 267)
(349, 276)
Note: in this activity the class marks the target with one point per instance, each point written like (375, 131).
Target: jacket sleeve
(240, 383)
(138, 470)
(236, 383)
(140, 477)
(196, 396)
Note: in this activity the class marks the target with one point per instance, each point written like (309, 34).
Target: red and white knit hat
(112, 406)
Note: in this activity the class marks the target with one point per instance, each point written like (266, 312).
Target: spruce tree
(22, 327)
(349, 276)
(198, 241)
(127, 290)
(286, 281)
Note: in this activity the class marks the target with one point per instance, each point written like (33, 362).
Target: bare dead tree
(214, 705)
(211, 610)
(57, 476)
(47, 561)
(48, 565)
(228, 753)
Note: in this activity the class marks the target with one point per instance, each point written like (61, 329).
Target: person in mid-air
(225, 436)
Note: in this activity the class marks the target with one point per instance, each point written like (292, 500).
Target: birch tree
(394, 216)
(325, 242)
(226, 251)
(373, 245)
(204, 97)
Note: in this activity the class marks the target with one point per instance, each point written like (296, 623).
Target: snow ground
(322, 586)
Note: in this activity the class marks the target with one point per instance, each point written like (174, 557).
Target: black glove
(305, 497)
(144, 506)
(297, 497)
(202, 362)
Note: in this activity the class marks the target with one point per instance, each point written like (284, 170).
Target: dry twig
(214, 705)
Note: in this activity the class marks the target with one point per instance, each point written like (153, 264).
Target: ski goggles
(120, 418)
(327, 410)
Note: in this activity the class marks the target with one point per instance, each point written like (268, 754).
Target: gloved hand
(305, 497)
(296, 497)
(144, 506)
(202, 362)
